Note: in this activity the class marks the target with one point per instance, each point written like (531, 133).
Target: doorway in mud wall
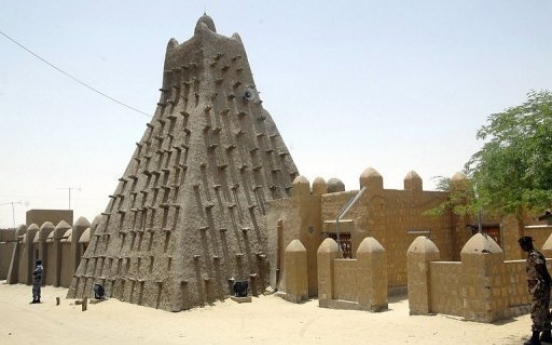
(344, 242)
(492, 230)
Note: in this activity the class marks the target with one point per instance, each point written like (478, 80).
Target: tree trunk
(520, 217)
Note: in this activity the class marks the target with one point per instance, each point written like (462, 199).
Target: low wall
(359, 284)
(345, 280)
(445, 286)
(483, 287)
(517, 288)
(6, 251)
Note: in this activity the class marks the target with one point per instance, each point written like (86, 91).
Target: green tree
(513, 170)
(460, 199)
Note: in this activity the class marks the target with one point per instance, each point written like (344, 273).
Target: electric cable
(73, 78)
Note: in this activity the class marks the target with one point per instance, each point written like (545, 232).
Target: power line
(74, 78)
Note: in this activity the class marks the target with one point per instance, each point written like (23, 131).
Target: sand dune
(266, 320)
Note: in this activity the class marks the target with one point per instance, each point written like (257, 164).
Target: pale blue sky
(393, 85)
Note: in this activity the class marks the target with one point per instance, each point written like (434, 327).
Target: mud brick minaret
(186, 219)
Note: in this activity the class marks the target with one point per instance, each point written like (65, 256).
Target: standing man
(37, 283)
(538, 284)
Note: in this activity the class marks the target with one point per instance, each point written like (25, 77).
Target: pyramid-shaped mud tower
(187, 218)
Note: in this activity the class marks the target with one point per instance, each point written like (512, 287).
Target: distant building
(54, 216)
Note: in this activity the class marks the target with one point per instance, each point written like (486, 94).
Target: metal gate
(345, 244)
(492, 230)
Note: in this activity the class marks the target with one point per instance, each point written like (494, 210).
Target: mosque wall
(345, 276)
(49, 263)
(66, 272)
(41, 216)
(393, 217)
(358, 284)
(20, 266)
(54, 245)
(482, 287)
(6, 252)
(445, 298)
(7, 245)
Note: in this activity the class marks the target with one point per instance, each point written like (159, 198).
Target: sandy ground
(266, 320)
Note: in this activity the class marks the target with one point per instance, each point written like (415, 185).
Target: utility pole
(479, 212)
(69, 189)
(13, 209)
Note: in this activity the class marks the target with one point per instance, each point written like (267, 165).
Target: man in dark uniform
(37, 282)
(538, 284)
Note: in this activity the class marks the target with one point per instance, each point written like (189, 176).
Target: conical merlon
(186, 219)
